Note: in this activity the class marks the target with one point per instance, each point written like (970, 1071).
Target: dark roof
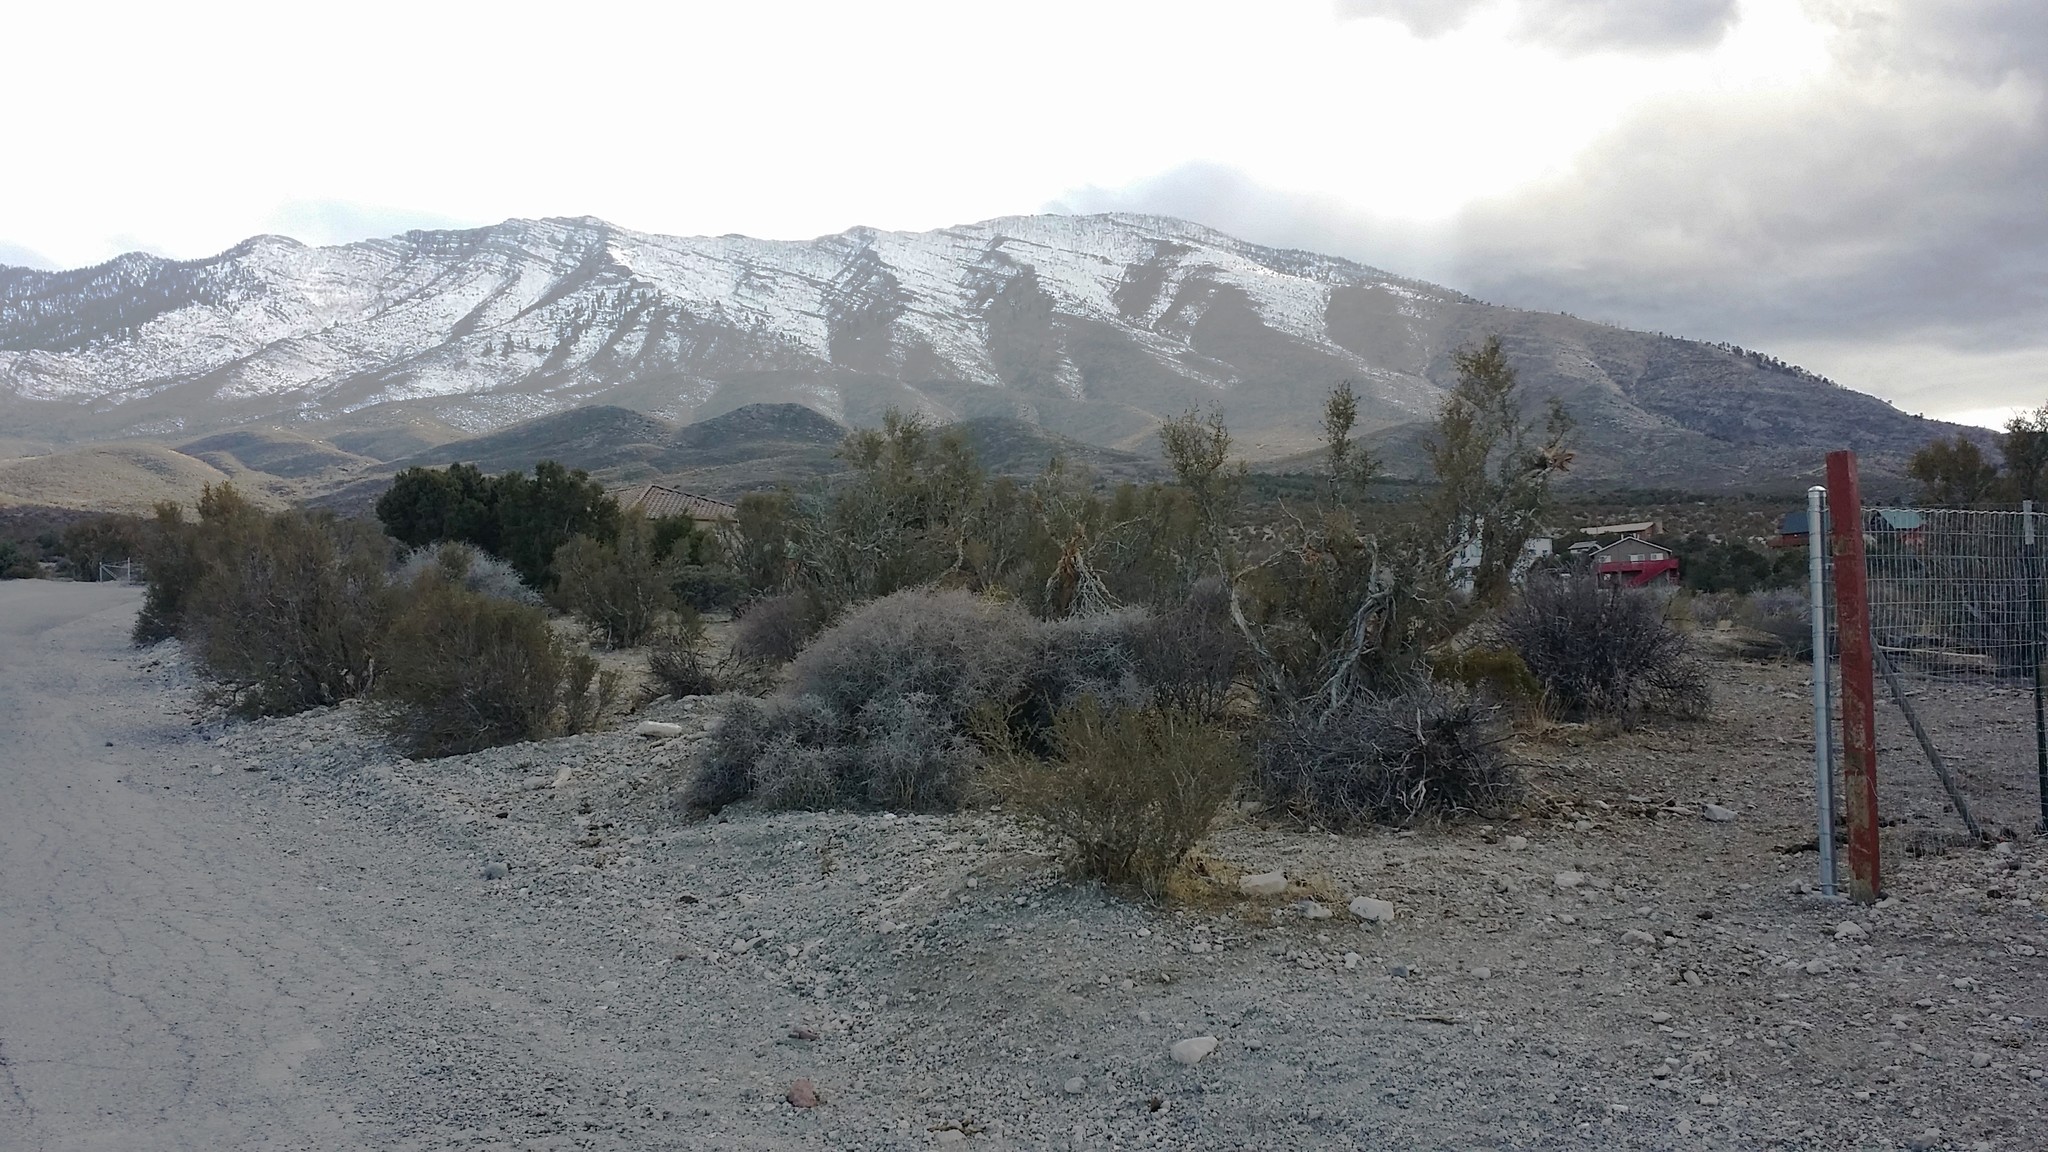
(659, 500)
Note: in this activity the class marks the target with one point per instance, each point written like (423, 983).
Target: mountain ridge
(1092, 328)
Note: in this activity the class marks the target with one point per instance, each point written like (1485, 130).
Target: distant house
(1465, 565)
(1634, 562)
(1639, 528)
(1902, 524)
(659, 501)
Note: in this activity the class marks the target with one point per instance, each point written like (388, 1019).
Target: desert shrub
(1497, 673)
(17, 563)
(707, 587)
(877, 709)
(1604, 651)
(619, 590)
(772, 630)
(288, 609)
(958, 651)
(174, 552)
(1783, 615)
(1189, 656)
(1131, 790)
(469, 566)
(1711, 608)
(97, 540)
(677, 657)
(1431, 750)
(463, 671)
(1085, 657)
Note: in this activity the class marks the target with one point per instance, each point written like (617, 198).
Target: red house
(1634, 562)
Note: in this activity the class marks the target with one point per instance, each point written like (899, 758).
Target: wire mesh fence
(1956, 624)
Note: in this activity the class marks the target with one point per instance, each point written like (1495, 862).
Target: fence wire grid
(1957, 615)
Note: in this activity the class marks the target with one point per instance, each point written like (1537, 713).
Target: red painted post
(1859, 698)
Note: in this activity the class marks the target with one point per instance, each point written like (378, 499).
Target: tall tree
(2026, 454)
(1953, 473)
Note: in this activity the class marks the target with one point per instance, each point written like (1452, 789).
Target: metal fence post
(2036, 654)
(1859, 692)
(1823, 724)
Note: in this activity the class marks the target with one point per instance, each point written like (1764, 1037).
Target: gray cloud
(1571, 25)
(1897, 204)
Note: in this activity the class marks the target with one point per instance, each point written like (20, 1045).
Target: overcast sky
(1858, 185)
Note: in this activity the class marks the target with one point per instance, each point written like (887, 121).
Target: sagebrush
(1604, 651)
(1431, 750)
(1131, 790)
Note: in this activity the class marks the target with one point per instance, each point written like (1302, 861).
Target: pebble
(1660, 1017)
(1980, 1059)
(2006, 848)
(1263, 884)
(1850, 930)
(1077, 1085)
(1482, 973)
(1815, 967)
(1925, 1141)
(1637, 936)
(1351, 960)
(496, 870)
(1718, 814)
(1568, 879)
(215, 770)
(952, 1136)
(1372, 911)
(1313, 910)
(655, 729)
(1517, 843)
(803, 1094)
(1193, 1050)
(537, 783)
(1709, 1100)
(1399, 971)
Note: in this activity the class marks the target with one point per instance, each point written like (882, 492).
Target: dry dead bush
(1133, 791)
(463, 671)
(618, 589)
(469, 566)
(1602, 651)
(771, 631)
(1432, 750)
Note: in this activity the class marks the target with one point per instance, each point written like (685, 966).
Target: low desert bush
(1782, 615)
(97, 540)
(469, 566)
(619, 590)
(1131, 790)
(464, 671)
(1602, 651)
(1432, 750)
(772, 630)
(288, 609)
(954, 649)
(678, 658)
(707, 587)
(1496, 673)
(1189, 656)
(17, 562)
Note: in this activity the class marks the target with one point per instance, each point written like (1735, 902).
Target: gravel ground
(280, 934)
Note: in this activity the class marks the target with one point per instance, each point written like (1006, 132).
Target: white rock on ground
(1850, 930)
(1193, 1050)
(1717, 813)
(656, 729)
(1373, 911)
(1263, 884)
(1569, 879)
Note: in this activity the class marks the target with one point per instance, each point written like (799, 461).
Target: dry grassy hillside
(120, 478)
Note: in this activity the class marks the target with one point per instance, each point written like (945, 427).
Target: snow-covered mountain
(1091, 326)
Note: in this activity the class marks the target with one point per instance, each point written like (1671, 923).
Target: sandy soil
(281, 935)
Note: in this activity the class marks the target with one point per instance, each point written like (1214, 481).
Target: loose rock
(1263, 884)
(803, 1094)
(1718, 814)
(496, 870)
(1373, 911)
(1193, 1050)
(1568, 879)
(655, 729)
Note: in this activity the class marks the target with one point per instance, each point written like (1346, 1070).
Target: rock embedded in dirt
(1569, 879)
(803, 1094)
(1372, 911)
(496, 870)
(1076, 1085)
(1850, 930)
(1516, 843)
(1193, 1050)
(1717, 813)
(1263, 884)
(1313, 910)
(657, 730)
